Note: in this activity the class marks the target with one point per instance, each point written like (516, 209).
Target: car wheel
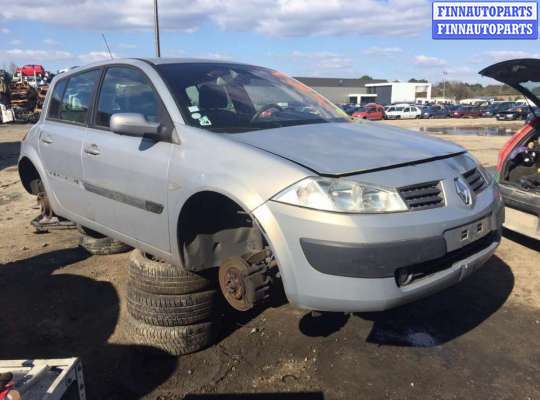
(97, 244)
(170, 310)
(155, 276)
(175, 340)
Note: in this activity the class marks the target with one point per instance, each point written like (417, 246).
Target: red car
(466, 112)
(518, 167)
(372, 111)
(31, 70)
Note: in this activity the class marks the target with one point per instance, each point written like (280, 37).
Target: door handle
(46, 139)
(92, 150)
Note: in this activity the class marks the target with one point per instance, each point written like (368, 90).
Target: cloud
(429, 62)
(51, 42)
(35, 55)
(502, 55)
(15, 42)
(94, 56)
(268, 17)
(4, 30)
(319, 63)
(383, 51)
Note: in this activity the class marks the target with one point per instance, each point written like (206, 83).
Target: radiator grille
(475, 180)
(423, 196)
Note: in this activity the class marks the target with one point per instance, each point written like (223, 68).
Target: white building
(400, 92)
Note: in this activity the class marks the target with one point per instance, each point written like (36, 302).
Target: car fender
(205, 161)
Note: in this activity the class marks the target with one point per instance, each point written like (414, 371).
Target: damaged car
(518, 166)
(243, 170)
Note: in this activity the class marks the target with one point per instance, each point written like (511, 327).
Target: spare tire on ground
(98, 244)
(176, 340)
(158, 277)
(170, 310)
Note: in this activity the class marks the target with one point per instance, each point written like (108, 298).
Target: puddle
(471, 131)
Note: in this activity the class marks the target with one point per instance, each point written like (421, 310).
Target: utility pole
(156, 29)
(444, 85)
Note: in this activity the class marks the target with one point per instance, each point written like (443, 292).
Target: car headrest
(212, 96)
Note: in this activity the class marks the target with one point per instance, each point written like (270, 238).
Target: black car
(493, 109)
(514, 113)
(435, 111)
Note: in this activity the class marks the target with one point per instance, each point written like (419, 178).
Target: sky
(386, 39)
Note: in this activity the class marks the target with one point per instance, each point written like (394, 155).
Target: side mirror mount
(133, 124)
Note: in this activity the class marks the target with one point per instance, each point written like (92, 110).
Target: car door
(61, 137)
(127, 176)
(406, 113)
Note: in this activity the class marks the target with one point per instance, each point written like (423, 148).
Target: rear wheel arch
(212, 227)
(30, 177)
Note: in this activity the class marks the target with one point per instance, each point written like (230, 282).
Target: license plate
(458, 237)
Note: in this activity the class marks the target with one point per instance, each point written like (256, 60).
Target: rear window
(78, 96)
(56, 99)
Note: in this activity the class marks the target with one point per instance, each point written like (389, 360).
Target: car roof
(150, 60)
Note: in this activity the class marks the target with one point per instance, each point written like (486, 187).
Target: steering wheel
(266, 108)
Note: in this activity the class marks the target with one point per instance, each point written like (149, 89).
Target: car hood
(516, 72)
(347, 148)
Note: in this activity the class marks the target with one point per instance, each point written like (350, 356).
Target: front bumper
(287, 227)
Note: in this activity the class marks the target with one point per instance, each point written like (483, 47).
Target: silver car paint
(337, 149)
(199, 160)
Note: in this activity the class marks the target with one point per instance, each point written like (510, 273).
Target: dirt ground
(477, 340)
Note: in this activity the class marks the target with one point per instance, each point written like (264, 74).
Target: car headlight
(483, 171)
(340, 195)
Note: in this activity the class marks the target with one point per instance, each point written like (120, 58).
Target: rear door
(521, 74)
(127, 176)
(61, 137)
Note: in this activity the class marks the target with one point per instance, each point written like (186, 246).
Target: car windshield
(234, 98)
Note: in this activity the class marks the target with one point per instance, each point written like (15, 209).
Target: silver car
(210, 164)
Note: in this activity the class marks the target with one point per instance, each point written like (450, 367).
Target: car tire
(175, 340)
(97, 244)
(158, 277)
(170, 310)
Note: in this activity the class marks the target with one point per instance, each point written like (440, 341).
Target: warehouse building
(362, 91)
(339, 90)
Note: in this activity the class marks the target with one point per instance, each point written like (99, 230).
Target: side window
(56, 99)
(78, 97)
(126, 90)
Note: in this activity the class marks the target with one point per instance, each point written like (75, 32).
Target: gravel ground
(476, 340)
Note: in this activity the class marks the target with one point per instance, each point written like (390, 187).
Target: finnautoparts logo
(485, 20)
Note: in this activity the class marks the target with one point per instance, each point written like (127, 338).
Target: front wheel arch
(212, 227)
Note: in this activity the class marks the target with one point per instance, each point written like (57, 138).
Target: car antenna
(107, 45)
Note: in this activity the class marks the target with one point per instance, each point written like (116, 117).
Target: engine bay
(522, 167)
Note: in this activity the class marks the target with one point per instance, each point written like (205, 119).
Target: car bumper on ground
(349, 263)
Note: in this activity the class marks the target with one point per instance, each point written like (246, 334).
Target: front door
(127, 176)
(61, 137)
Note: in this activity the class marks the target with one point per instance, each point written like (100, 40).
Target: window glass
(78, 96)
(235, 98)
(126, 90)
(56, 99)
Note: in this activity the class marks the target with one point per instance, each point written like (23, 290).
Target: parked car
(203, 165)
(350, 108)
(513, 113)
(403, 112)
(372, 111)
(31, 70)
(435, 111)
(518, 166)
(493, 109)
(466, 112)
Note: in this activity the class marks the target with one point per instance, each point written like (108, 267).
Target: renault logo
(463, 191)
